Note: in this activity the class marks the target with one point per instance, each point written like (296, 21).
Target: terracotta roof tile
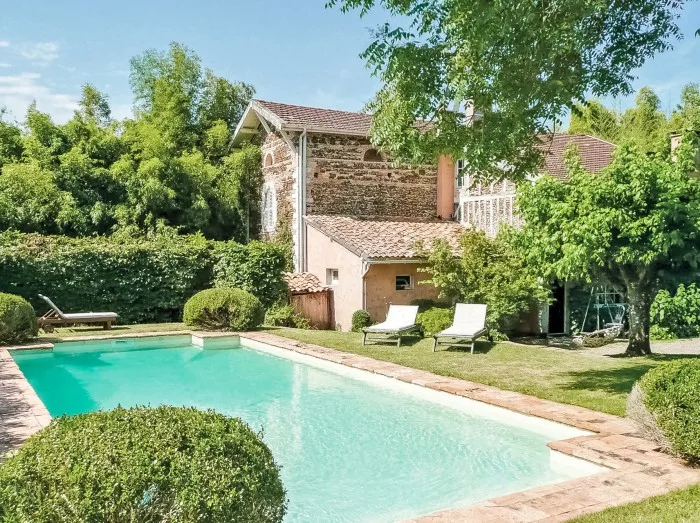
(596, 154)
(391, 238)
(303, 282)
(320, 119)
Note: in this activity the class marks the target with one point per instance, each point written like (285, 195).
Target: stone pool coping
(637, 470)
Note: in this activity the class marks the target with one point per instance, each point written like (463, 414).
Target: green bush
(436, 319)
(257, 268)
(17, 319)
(677, 315)
(672, 395)
(280, 315)
(142, 280)
(360, 320)
(224, 309)
(172, 464)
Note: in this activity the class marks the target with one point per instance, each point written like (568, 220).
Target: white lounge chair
(400, 320)
(469, 324)
(56, 317)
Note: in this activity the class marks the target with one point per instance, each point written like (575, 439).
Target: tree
(686, 117)
(522, 63)
(645, 124)
(635, 226)
(11, 148)
(593, 118)
(487, 271)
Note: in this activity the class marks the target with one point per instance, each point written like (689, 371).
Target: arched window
(269, 160)
(372, 155)
(269, 207)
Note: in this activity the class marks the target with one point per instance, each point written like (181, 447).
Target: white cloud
(4, 65)
(39, 52)
(4, 43)
(18, 91)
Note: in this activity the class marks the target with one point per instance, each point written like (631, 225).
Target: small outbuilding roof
(303, 282)
(596, 154)
(386, 238)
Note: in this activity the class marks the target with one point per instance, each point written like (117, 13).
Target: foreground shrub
(672, 395)
(284, 315)
(435, 319)
(224, 309)
(170, 464)
(17, 319)
(677, 315)
(360, 320)
(257, 268)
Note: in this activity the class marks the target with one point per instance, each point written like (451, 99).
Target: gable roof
(298, 117)
(596, 154)
(385, 238)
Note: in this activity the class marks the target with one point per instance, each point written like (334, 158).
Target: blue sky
(295, 52)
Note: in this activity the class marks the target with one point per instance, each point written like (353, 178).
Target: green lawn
(68, 332)
(597, 382)
(681, 506)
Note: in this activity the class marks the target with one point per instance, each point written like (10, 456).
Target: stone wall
(339, 182)
(281, 173)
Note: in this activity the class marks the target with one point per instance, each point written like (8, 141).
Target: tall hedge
(142, 280)
(257, 267)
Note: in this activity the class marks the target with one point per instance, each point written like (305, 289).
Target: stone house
(354, 217)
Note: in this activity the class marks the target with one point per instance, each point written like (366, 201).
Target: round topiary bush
(360, 320)
(671, 393)
(224, 309)
(174, 464)
(17, 319)
(435, 319)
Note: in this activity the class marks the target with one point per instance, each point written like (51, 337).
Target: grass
(680, 506)
(92, 330)
(596, 382)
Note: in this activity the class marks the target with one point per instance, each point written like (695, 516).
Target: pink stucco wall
(323, 253)
(380, 284)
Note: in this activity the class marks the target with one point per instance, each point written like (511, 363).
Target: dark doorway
(556, 309)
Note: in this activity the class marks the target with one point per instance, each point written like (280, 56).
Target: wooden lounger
(400, 320)
(56, 317)
(469, 324)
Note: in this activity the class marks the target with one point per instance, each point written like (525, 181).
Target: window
(461, 175)
(269, 208)
(404, 283)
(331, 276)
(269, 160)
(372, 155)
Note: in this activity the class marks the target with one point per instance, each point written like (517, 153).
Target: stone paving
(637, 469)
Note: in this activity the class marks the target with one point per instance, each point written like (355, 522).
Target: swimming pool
(353, 446)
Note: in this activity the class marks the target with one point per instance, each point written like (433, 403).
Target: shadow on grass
(621, 380)
(480, 347)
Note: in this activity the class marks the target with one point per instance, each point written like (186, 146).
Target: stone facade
(339, 182)
(278, 169)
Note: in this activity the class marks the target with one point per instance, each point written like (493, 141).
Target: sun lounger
(56, 317)
(469, 324)
(400, 320)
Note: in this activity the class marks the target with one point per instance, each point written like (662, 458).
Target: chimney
(445, 187)
(471, 113)
(675, 142)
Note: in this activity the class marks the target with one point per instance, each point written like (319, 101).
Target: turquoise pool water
(350, 449)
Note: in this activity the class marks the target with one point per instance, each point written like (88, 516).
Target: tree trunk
(640, 298)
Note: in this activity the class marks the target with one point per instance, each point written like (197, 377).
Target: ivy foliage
(676, 315)
(634, 226)
(171, 165)
(523, 63)
(172, 464)
(489, 271)
(143, 279)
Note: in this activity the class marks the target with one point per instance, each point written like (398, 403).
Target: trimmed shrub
(224, 309)
(143, 280)
(257, 268)
(285, 316)
(672, 396)
(17, 319)
(435, 319)
(677, 315)
(172, 464)
(360, 320)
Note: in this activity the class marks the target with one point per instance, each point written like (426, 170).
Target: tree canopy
(635, 225)
(169, 166)
(524, 64)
